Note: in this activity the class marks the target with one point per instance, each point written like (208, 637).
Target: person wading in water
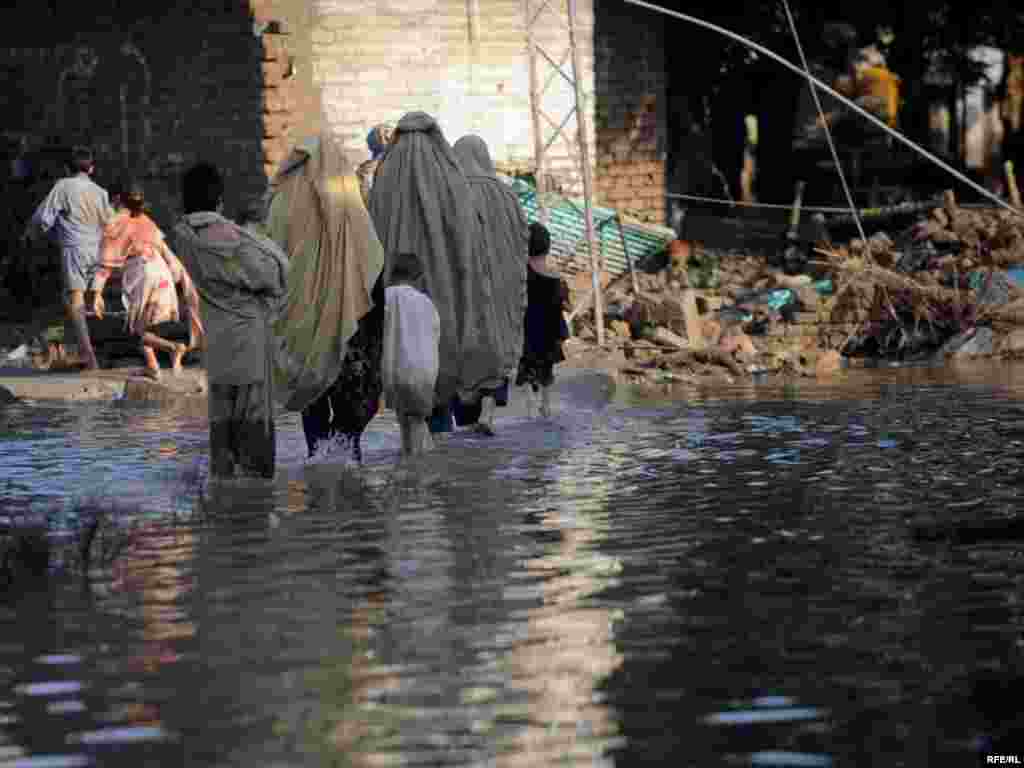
(329, 336)
(240, 277)
(502, 249)
(412, 332)
(545, 326)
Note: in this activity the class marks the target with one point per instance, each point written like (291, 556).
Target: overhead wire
(832, 92)
(824, 122)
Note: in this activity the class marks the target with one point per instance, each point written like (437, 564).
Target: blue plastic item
(825, 287)
(780, 298)
(1016, 275)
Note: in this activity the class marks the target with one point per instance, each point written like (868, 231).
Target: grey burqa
(503, 244)
(421, 203)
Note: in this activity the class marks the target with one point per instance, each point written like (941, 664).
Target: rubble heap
(947, 285)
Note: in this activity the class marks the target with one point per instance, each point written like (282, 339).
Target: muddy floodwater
(735, 577)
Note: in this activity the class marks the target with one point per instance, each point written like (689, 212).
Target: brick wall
(463, 61)
(155, 88)
(291, 102)
(631, 109)
(152, 91)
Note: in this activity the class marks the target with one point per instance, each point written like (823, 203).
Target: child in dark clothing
(544, 326)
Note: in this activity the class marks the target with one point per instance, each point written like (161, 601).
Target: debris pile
(945, 286)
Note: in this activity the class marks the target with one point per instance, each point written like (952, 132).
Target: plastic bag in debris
(775, 299)
(915, 257)
(780, 298)
(973, 341)
(992, 287)
(17, 355)
(616, 311)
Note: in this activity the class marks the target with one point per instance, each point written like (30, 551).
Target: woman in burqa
(421, 203)
(330, 335)
(502, 245)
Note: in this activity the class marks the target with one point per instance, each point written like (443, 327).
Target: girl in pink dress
(151, 275)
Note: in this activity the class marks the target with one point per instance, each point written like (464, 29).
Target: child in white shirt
(412, 335)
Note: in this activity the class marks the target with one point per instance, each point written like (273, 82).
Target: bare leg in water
(545, 401)
(485, 425)
(416, 437)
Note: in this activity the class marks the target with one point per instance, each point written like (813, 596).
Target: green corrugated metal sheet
(567, 225)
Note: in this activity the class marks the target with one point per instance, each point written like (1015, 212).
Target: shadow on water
(730, 578)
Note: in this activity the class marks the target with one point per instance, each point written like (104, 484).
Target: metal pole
(625, 252)
(539, 166)
(582, 124)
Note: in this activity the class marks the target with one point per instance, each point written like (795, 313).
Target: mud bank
(112, 384)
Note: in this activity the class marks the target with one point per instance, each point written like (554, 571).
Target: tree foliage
(925, 44)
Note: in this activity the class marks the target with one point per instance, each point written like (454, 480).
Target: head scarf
(540, 240)
(378, 140)
(503, 244)
(317, 216)
(421, 203)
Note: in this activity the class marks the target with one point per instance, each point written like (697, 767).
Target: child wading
(412, 334)
(544, 328)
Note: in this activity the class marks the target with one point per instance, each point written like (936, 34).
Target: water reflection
(566, 648)
(722, 581)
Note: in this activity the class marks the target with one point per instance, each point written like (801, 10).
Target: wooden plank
(691, 316)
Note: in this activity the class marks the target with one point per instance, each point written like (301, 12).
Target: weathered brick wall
(291, 104)
(152, 91)
(463, 61)
(631, 109)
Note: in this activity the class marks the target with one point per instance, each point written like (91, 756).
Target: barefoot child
(412, 333)
(133, 243)
(545, 327)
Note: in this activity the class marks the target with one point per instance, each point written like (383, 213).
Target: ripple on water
(46, 761)
(592, 590)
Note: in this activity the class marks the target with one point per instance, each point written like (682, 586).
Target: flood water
(728, 579)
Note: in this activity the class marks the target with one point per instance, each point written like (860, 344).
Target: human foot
(483, 428)
(151, 373)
